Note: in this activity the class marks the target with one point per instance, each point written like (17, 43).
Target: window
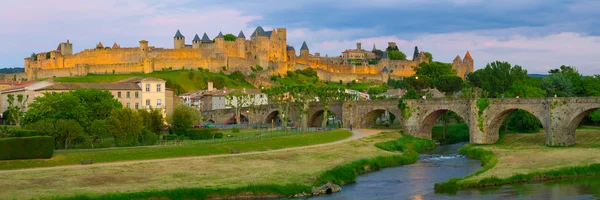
(128, 95)
(158, 87)
(128, 105)
(118, 94)
(158, 103)
(137, 94)
(148, 87)
(147, 102)
(137, 106)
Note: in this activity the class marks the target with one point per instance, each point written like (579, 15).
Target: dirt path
(356, 134)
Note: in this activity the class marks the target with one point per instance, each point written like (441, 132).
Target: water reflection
(416, 182)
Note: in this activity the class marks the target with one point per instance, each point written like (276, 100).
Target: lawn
(527, 153)
(299, 166)
(74, 157)
(177, 78)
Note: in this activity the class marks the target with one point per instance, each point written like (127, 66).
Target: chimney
(210, 86)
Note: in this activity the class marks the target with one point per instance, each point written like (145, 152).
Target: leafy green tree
(417, 83)
(238, 100)
(16, 109)
(577, 87)
(280, 95)
(237, 75)
(33, 56)
(377, 90)
(395, 84)
(595, 116)
(64, 131)
(396, 55)
(497, 77)
(53, 106)
(592, 86)
(98, 103)
(303, 95)
(326, 95)
(449, 84)
(434, 70)
(415, 53)
(126, 126)
(96, 130)
(152, 119)
(528, 88)
(147, 137)
(183, 118)
(429, 56)
(558, 84)
(378, 53)
(411, 94)
(229, 37)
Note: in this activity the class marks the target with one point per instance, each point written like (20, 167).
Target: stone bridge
(559, 116)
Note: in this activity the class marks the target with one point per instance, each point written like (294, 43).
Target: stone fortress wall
(265, 48)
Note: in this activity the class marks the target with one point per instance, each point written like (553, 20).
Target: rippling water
(416, 182)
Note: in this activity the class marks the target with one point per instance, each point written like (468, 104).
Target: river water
(416, 182)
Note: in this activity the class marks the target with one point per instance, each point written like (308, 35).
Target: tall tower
(468, 62)
(374, 47)
(196, 42)
(282, 33)
(291, 54)
(358, 46)
(178, 40)
(65, 48)
(241, 44)
(219, 41)
(304, 51)
(144, 46)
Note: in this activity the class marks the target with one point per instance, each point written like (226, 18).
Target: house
(26, 88)
(358, 95)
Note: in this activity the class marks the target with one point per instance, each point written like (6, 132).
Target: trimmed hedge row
(26, 147)
(24, 133)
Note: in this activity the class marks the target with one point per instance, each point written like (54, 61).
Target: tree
(528, 87)
(595, 115)
(16, 109)
(396, 55)
(411, 94)
(577, 87)
(497, 77)
(449, 84)
(229, 37)
(33, 56)
(64, 131)
(327, 95)
(416, 53)
(558, 84)
(152, 120)
(183, 118)
(417, 83)
(429, 56)
(378, 53)
(303, 95)
(434, 70)
(126, 126)
(280, 95)
(53, 106)
(98, 104)
(237, 100)
(96, 130)
(592, 86)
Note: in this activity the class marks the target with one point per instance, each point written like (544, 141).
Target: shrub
(24, 133)
(235, 130)
(26, 147)
(148, 137)
(171, 137)
(218, 135)
(199, 134)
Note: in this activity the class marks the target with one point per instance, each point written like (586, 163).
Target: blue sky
(538, 35)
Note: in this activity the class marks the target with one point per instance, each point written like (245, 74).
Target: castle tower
(196, 42)
(422, 58)
(65, 48)
(99, 45)
(304, 51)
(241, 44)
(374, 47)
(178, 40)
(468, 62)
(291, 54)
(282, 44)
(385, 74)
(206, 39)
(358, 46)
(144, 46)
(219, 41)
(457, 65)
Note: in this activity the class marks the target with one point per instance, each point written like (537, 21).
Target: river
(416, 182)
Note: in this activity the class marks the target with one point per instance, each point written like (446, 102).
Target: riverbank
(269, 174)
(524, 158)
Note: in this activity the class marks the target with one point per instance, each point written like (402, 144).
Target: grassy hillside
(180, 81)
(309, 77)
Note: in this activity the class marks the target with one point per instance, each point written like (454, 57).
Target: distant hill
(537, 75)
(12, 70)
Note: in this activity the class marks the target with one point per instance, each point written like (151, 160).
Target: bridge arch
(573, 123)
(492, 127)
(316, 117)
(428, 120)
(272, 117)
(370, 118)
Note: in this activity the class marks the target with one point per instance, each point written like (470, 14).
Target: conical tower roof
(178, 34)
(457, 59)
(220, 35)
(468, 56)
(384, 69)
(205, 37)
(258, 30)
(116, 46)
(304, 46)
(241, 35)
(196, 38)
(100, 45)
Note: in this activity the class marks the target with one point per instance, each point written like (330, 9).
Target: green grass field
(198, 80)
(74, 157)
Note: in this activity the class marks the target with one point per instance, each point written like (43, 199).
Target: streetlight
(247, 120)
(417, 77)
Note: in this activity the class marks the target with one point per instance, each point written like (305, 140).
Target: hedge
(24, 133)
(26, 147)
(203, 133)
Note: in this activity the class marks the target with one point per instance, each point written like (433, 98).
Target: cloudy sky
(536, 34)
